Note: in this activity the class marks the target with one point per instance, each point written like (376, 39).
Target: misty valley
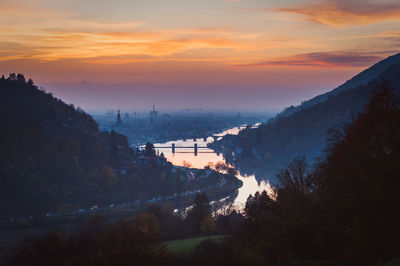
(209, 133)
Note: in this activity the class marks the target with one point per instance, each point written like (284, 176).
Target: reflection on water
(184, 155)
(250, 186)
(204, 155)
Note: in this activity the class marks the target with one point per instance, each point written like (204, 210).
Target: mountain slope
(303, 132)
(51, 154)
(361, 79)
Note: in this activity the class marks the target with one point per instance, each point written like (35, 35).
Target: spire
(119, 121)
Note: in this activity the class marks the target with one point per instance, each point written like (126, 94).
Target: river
(205, 156)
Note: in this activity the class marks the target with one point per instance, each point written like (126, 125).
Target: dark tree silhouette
(360, 181)
(149, 150)
(201, 210)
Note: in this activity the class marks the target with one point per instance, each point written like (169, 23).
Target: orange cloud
(323, 59)
(30, 32)
(347, 13)
(389, 34)
(57, 45)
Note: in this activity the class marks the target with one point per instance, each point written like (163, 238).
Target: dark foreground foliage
(131, 242)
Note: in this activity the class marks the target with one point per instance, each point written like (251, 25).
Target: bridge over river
(185, 145)
(196, 149)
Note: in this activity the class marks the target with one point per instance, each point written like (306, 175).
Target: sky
(226, 54)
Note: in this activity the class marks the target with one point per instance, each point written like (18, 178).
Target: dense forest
(343, 210)
(54, 158)
(304, 131)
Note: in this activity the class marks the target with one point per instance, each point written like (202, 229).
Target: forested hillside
(51, 153)
(54, 158)
(303, 132)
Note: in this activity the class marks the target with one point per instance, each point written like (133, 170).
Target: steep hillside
(361, 79)
(303, 132)
(52, 154)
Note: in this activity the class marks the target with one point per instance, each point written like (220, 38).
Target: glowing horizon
(259, 54)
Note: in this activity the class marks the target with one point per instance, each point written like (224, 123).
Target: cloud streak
(347, 13)
(47, 34)
(323, 59)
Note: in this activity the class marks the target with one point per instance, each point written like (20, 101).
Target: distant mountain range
(302, 130)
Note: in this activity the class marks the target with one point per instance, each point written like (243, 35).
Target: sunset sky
(244, 54)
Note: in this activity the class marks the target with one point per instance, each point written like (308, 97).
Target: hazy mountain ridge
(360, 79)
(304, 132)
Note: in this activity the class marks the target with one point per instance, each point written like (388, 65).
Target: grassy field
(186, 246)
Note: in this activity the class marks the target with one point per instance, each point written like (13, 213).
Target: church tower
(119, 121)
